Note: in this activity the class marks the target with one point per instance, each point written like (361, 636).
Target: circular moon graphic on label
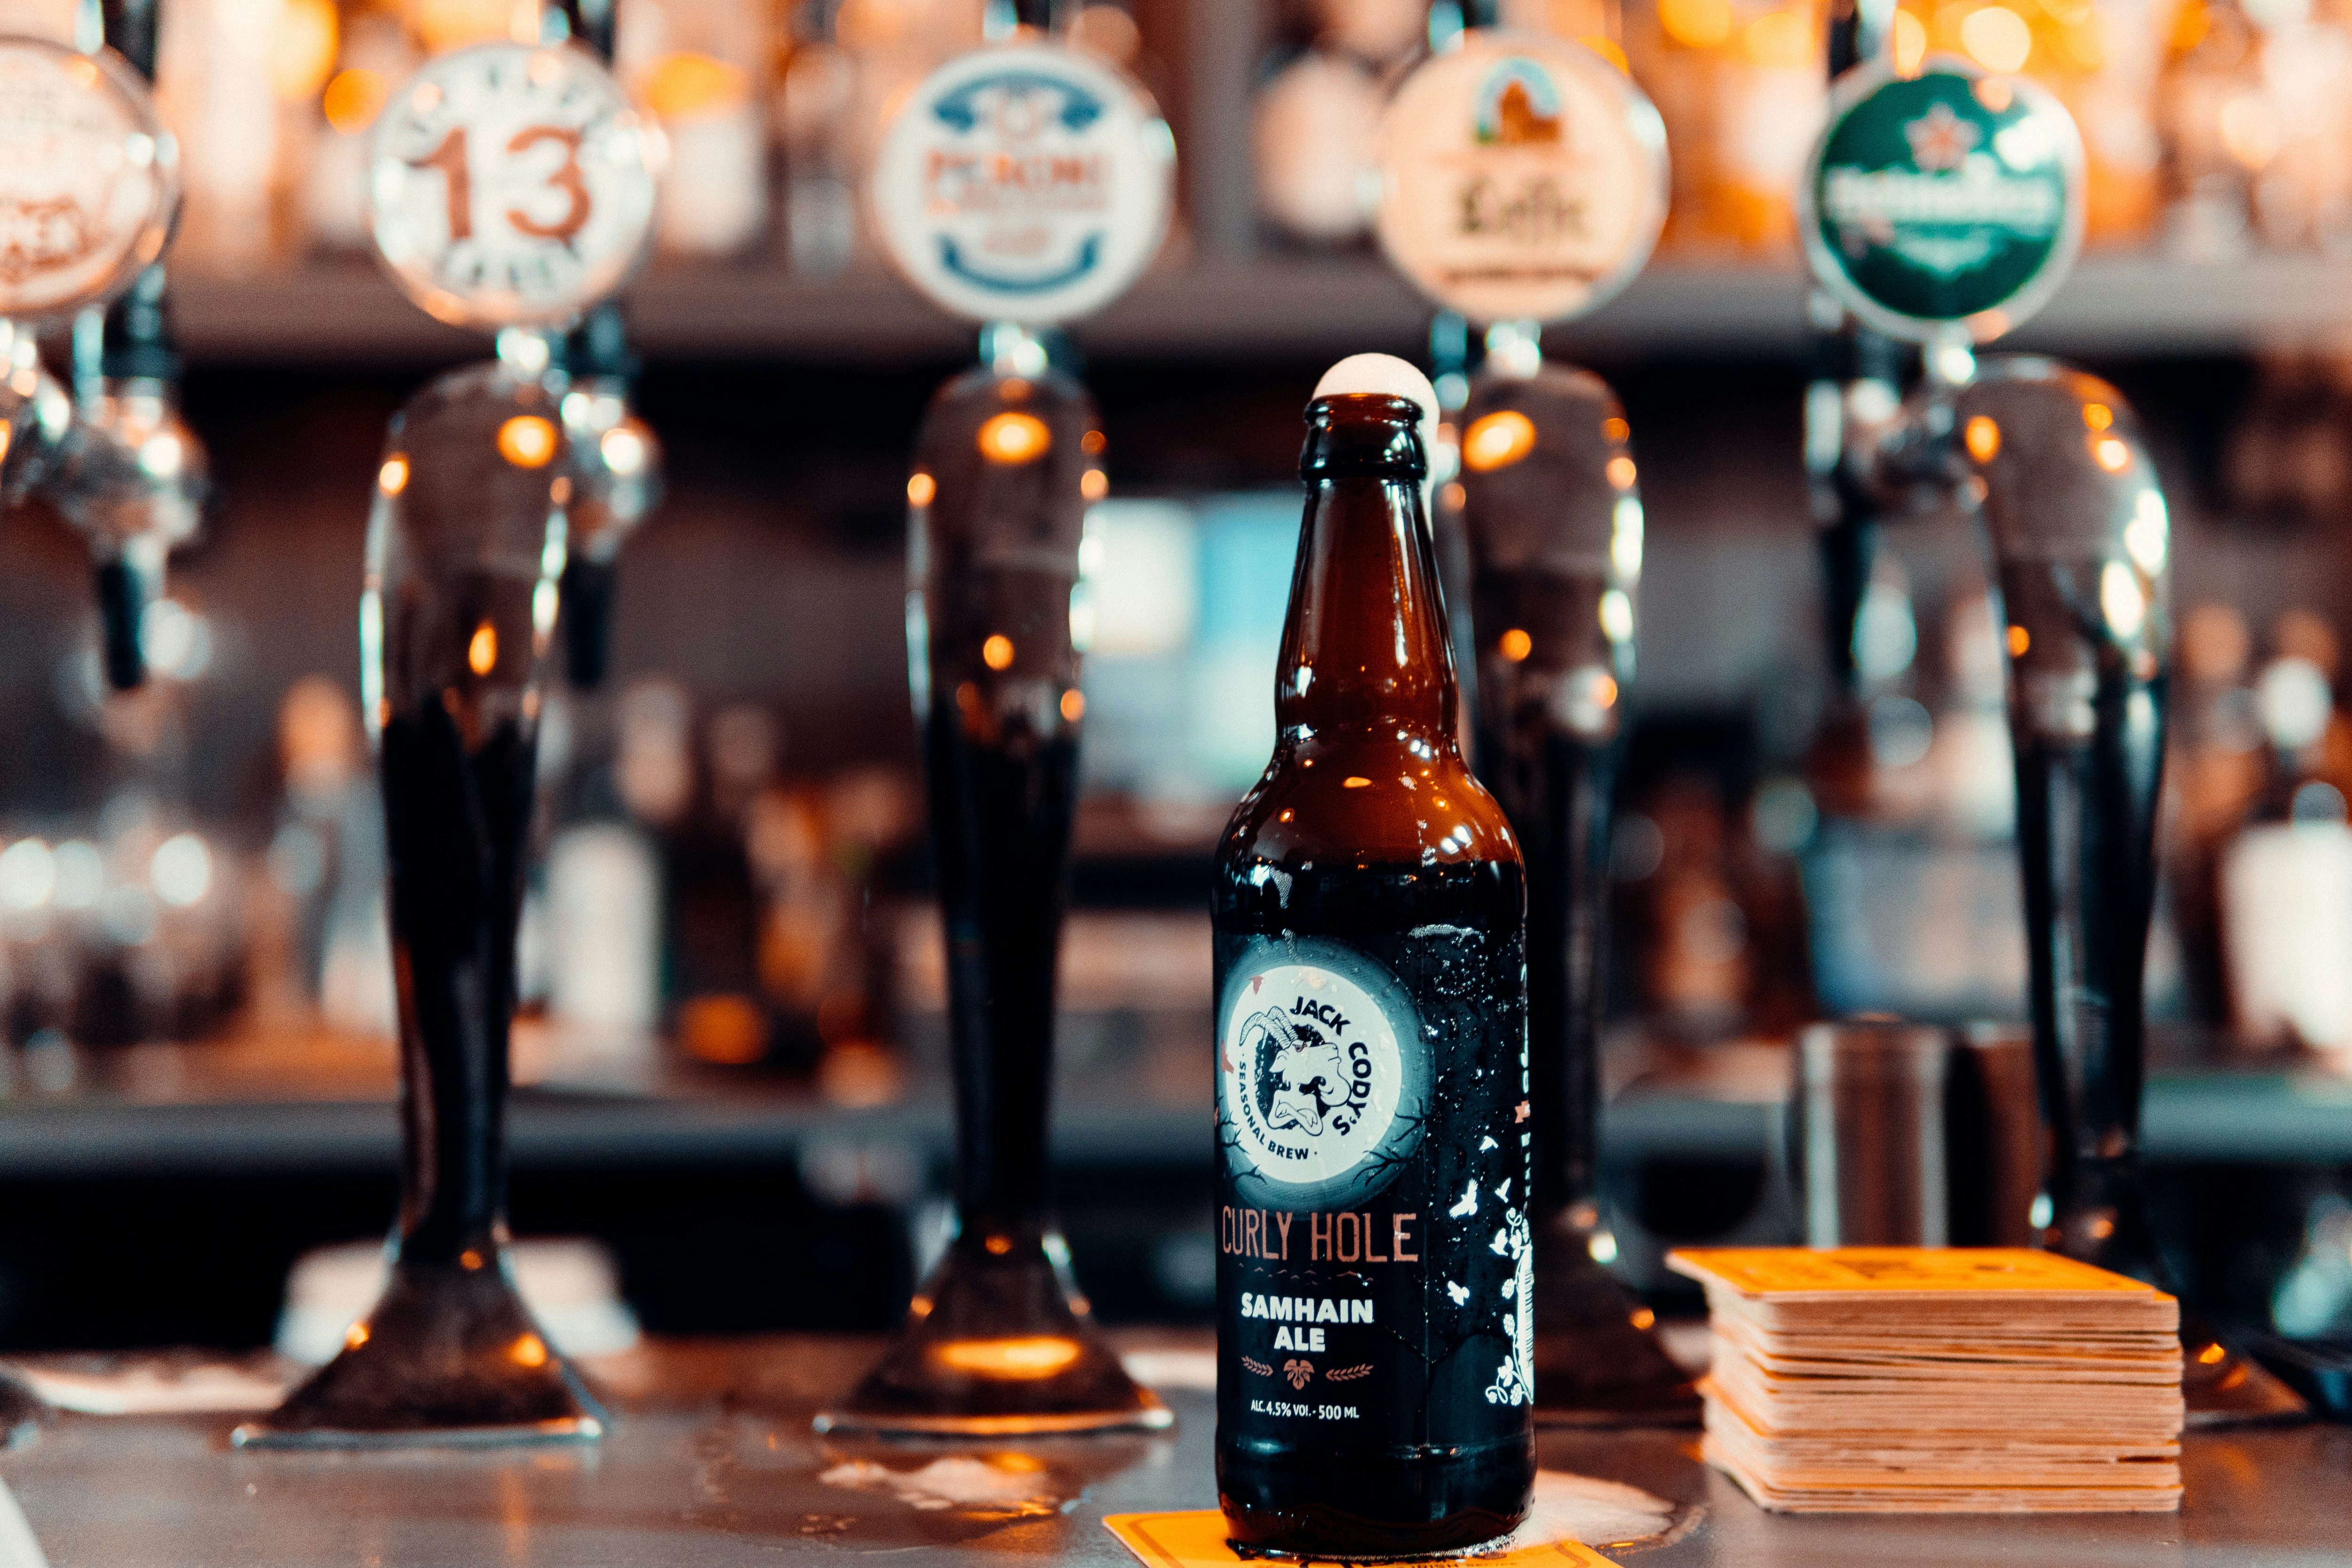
(512, 186)
(90, 180)
(1521, 178)
(1023, 183)
(1321, 1078)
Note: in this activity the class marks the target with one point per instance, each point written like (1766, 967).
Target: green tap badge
(1947, 199)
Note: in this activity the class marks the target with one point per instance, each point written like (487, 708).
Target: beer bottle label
(1374, 1266)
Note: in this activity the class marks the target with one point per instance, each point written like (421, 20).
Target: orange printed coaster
(1197, 1540)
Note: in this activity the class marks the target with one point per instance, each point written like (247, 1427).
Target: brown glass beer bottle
(1374, 1327)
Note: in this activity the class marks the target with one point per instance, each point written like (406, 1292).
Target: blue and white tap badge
(1026, 183)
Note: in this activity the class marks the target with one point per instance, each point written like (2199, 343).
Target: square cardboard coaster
(1196, 1539)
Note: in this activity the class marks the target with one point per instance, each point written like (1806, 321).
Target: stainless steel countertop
(712, 1463)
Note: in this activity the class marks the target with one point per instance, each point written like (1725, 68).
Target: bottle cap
(90, 180)
(1949, 202)
(1390, 376)
(512, 186)
(1522, 177)
(1024, 183)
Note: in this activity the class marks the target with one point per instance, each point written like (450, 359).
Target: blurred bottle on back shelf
(1317, 116)
(1740, 86)
(2258, 129)
(702, 67)
(2286, 878)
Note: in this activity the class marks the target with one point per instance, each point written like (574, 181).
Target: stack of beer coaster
(1898, 1380)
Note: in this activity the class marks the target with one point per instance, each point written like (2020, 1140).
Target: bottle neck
(1365, 647)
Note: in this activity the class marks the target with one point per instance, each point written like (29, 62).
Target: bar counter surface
(712, 1463)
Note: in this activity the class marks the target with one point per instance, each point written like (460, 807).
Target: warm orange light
(469, 1259)
(1515, 645)
(1779, 40)
(356, 1337)
(1700, 23)
(2211, 1354)
(2020, 639)
(527, 441)
(1497, 440)
(1620, 472)
(1982, 437)
(482, 653)
(1041, 1355)
(529, 1351)
(998, 1246)
(1455, 497)
(1614, 429)
(2111, 454)
(393, 477)
(2098, 415)
(1607, 49)
(723, 1027)
(302, 45)
(1014, 438)
(1287, 814)
(1074, 705)
(685, 83)
(920, 488)
(1604, 692)
(1997, 39)
(1643, 1318)
(1910, 44)
(1094, 484)
(1995, 93)
(1355, 781)
(997, 652)
(1092, 443)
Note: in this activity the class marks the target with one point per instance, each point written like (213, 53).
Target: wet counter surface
(713, 1464)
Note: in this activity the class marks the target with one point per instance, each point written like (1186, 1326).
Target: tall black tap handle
(2081, 536)
(1553, 523)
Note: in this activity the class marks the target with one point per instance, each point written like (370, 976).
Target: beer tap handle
(473, 528)
(1551, 512)
(2081, 539)
(117, 461)
(617, 480)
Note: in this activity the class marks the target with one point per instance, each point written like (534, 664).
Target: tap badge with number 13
(90, 180)
(511, 185)
(1950, 198)
(1024, 183)
(1521, 178)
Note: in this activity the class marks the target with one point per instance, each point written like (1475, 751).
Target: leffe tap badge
(1521, 178)
(1024, 183)
(1950, 199)
(512, 185)
(90, 180)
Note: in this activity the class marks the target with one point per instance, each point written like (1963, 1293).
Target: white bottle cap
(1390, 376)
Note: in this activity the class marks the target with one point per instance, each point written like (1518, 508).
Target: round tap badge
(90, 180)
(512, 185)
(1024, 184)
(1521, 176)
(1948, 198)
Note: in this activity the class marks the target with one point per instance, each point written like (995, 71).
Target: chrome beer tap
(998, 1340)
(512, 187)
(93, 177)
(615, 458)
(83, 148)
(1943, 207)
(1544, 507)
